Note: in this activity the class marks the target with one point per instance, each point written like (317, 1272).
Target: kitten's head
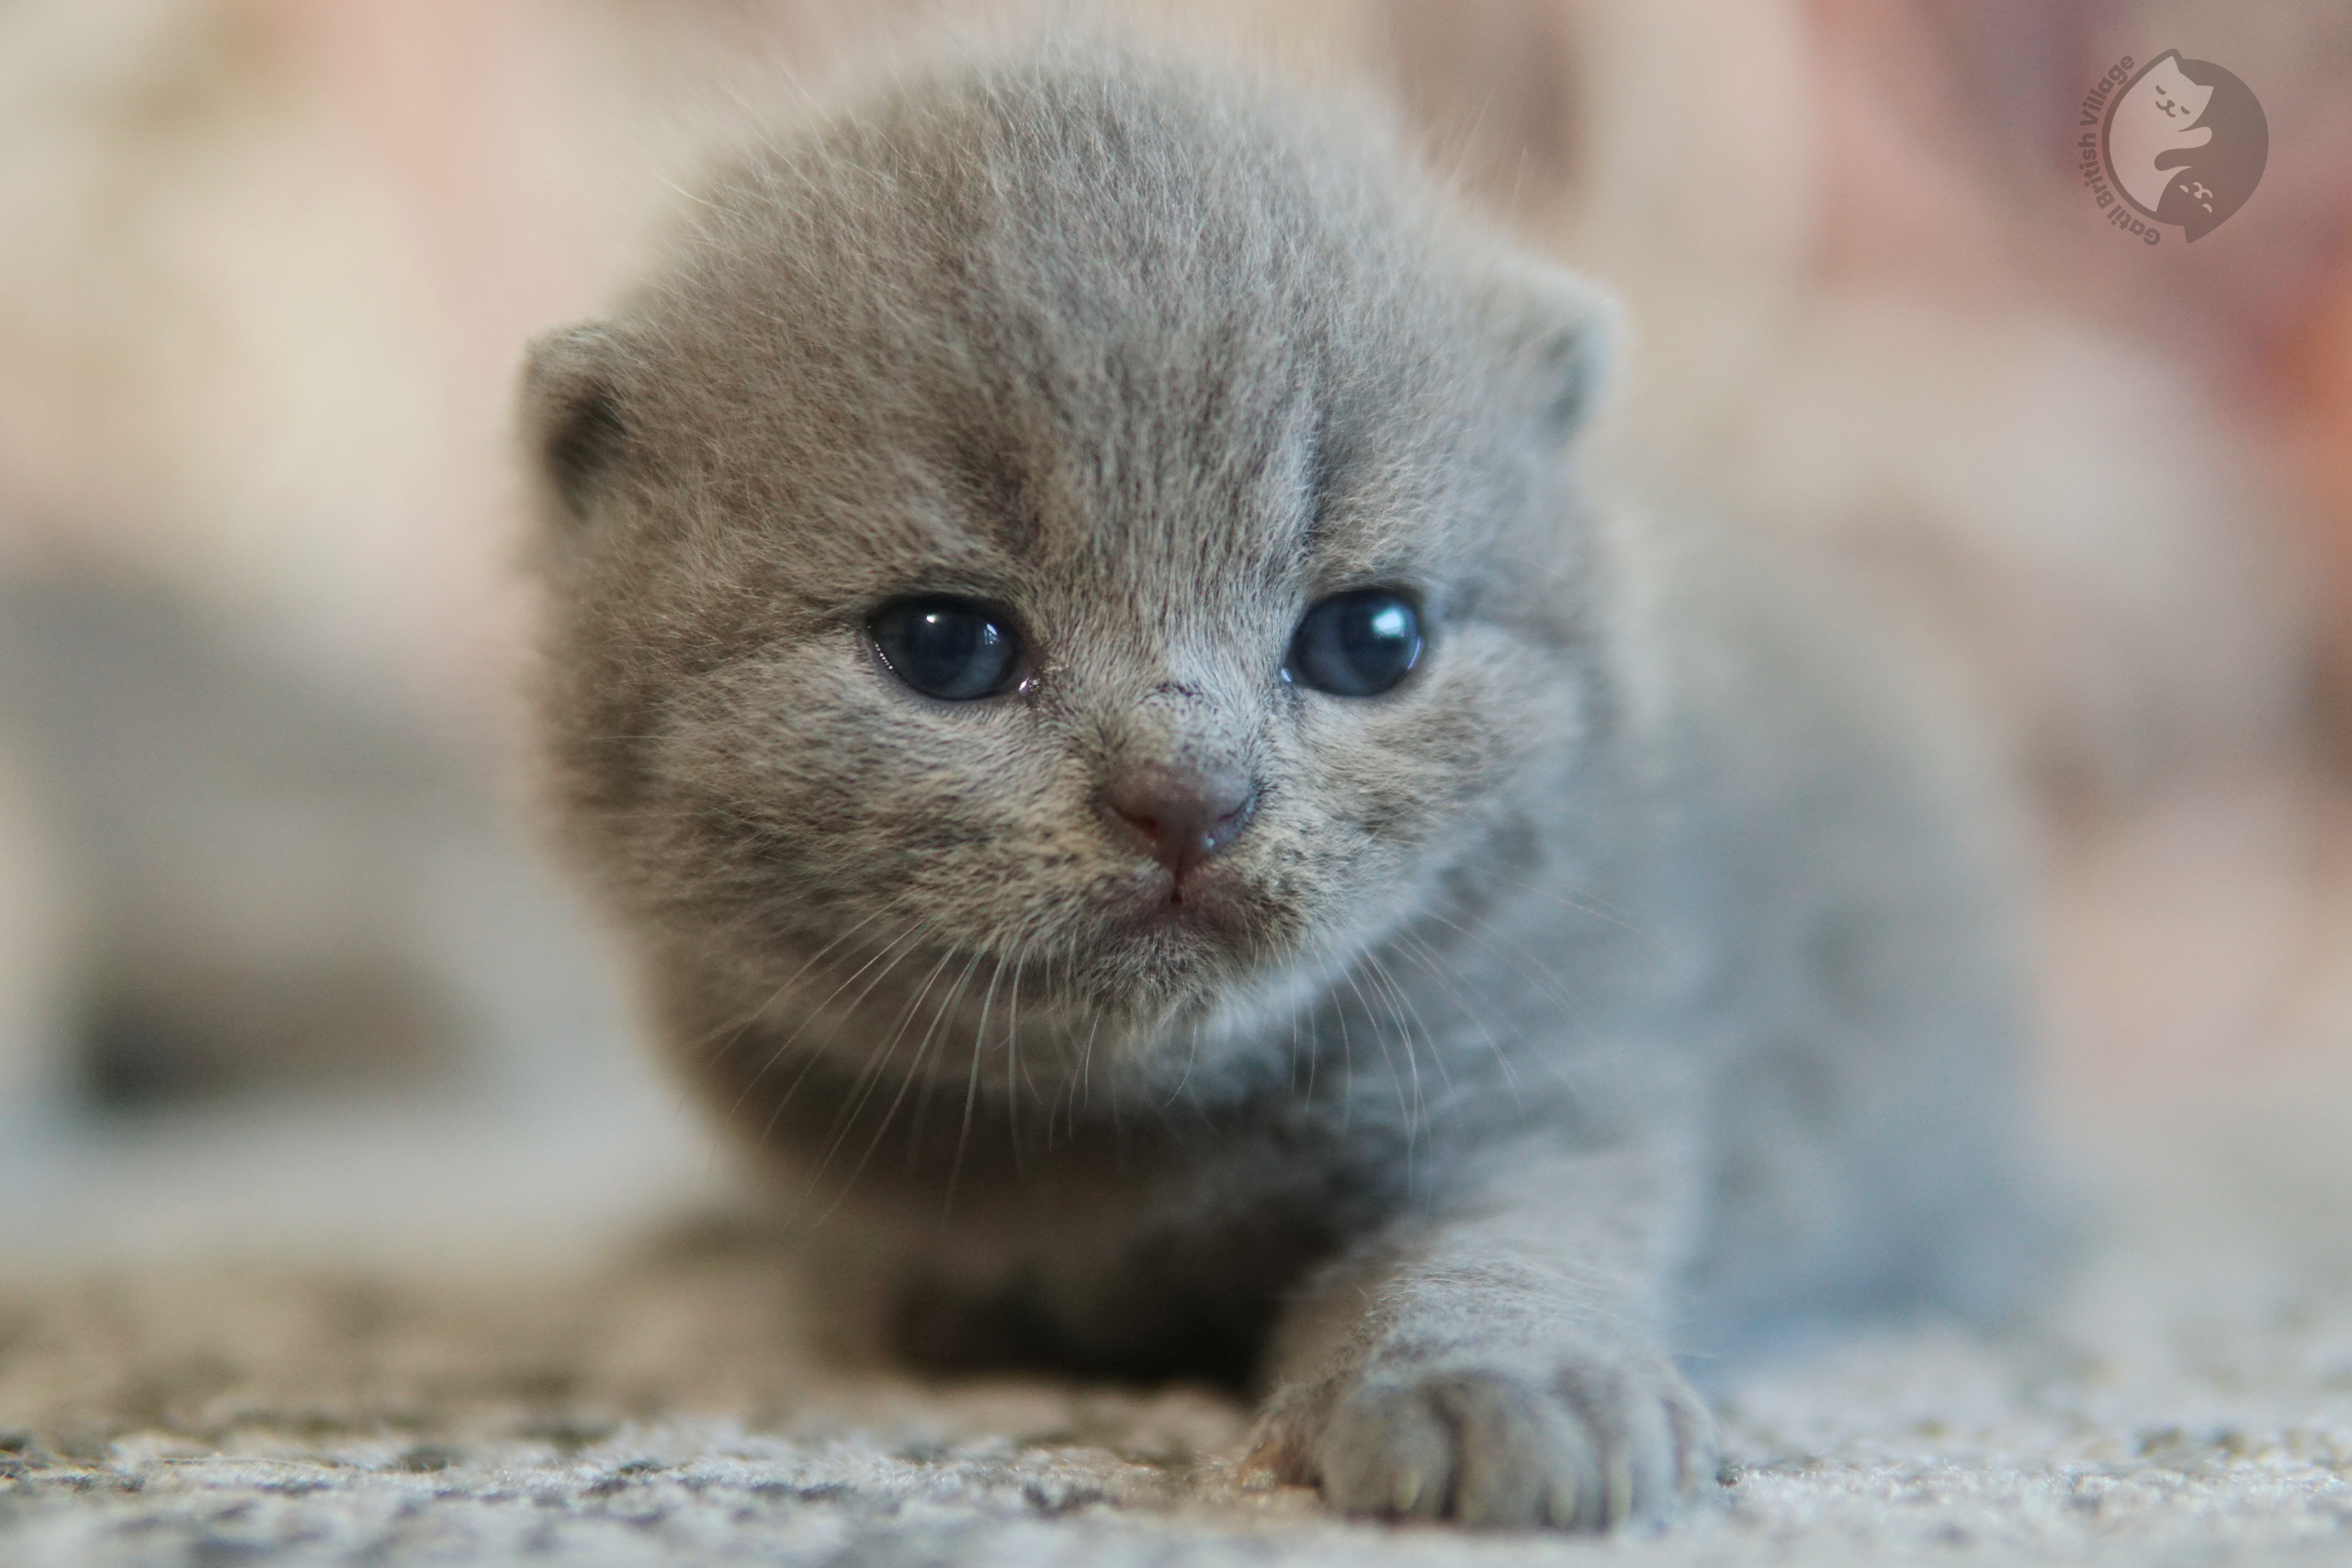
(1069, 526)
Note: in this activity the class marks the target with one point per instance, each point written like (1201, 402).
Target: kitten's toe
(1656, 1436)
(1520, 1458)
(1388, 1450)
(1592, 1445)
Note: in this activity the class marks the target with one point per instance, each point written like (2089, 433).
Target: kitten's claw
(1593, 1445)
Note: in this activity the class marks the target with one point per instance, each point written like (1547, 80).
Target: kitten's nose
(1180, 816)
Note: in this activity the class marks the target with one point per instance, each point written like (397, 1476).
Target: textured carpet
(2186, 1397)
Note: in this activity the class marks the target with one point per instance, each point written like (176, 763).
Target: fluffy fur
(1634, 975)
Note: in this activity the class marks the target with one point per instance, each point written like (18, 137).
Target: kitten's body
(1628, 977)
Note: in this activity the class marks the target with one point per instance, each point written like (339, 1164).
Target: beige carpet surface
(2185, 1397)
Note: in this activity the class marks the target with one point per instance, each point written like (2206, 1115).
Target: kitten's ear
(1565, 337)
(575, 423)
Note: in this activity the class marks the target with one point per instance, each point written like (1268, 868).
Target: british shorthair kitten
(1144, 787)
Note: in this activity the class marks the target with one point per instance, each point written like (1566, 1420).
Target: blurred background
(280, 969)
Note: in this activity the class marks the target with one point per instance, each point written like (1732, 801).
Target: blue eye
(1356, 645)
(951, 648)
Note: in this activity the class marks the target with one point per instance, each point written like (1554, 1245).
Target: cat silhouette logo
(2182, 141)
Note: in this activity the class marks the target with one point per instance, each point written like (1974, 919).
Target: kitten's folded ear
(572, 416)
(1565, 336)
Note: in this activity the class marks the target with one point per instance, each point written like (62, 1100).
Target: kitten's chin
(1148, 955)
(1148, 969)
(1225, 962)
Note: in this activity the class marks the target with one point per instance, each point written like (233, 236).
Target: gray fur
(1632, 977)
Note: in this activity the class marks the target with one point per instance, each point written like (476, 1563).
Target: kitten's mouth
(1178, 936)
(1202, 902)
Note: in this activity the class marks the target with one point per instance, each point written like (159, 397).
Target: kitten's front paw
(1589, 1444)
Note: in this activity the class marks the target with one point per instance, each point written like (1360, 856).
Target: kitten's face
(1140, 425)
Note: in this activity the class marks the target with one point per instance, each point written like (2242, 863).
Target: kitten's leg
(1504, 1365)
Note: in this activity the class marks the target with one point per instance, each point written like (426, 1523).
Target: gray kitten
(1141, 786)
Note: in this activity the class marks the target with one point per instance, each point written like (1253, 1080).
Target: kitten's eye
(1356, 645)
(951, 648)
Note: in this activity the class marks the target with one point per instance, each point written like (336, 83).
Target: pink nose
(1180, 818)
